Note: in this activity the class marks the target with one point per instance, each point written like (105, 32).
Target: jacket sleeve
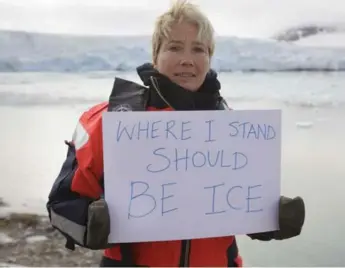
(79, 182)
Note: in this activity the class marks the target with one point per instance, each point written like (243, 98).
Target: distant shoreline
(121, 70)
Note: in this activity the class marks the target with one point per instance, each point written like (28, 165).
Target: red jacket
(88, 144)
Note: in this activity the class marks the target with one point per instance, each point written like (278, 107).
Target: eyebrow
(181, 43)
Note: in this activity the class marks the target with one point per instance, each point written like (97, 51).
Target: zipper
(185, 253)
(186, 256)
(185, 249)
(156, 87)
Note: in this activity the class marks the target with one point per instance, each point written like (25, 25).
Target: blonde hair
(182, 11)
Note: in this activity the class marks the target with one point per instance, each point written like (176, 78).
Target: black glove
(291, 220)
(98, 225)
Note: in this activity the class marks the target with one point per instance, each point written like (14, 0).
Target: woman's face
(183, 58)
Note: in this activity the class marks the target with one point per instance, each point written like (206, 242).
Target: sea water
(38, 111)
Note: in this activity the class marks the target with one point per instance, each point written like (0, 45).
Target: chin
(193, 89)
(189, 87)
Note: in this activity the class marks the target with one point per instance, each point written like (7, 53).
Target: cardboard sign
(196, 174)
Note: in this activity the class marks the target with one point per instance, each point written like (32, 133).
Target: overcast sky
(245, 18)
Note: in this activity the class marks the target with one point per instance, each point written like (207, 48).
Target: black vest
(129, 96)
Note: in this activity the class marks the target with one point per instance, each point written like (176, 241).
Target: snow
(5, 239)
(327, 40)
(36, 238)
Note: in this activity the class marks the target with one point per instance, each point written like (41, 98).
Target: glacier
(37, 52)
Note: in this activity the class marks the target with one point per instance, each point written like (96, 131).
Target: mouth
(185, 74)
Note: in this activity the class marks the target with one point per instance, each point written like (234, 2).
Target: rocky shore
(29, 240)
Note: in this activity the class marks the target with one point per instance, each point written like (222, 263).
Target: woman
(179, 78)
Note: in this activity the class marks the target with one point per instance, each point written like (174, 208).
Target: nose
(186, 59)
(187, 62)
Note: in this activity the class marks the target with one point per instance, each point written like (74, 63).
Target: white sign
(196, 174)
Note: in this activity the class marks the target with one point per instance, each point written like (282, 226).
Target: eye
(199, 49)
(174, 48)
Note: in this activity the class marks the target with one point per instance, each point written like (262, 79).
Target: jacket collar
(206, 98)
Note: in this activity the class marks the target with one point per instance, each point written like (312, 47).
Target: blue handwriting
(185, 159)
(154, 129)
(138, 194)
(209, 138)
(247, 130)
(222, 199)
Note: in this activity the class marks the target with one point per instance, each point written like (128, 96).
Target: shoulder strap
(222, 104)
(127, 96)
